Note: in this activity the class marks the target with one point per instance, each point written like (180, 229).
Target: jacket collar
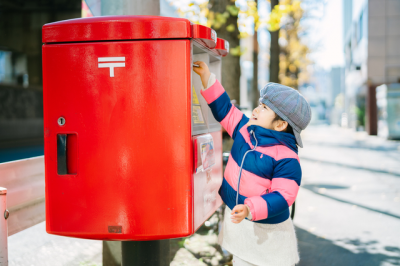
(267, 137)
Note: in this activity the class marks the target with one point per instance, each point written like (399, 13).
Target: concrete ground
(347, 211)
(348, 207)
(34, 247)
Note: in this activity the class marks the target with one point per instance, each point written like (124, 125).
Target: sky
(326, 36)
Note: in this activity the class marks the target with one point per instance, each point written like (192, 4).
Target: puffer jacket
(263, 166)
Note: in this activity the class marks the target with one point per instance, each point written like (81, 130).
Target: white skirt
(260, 244)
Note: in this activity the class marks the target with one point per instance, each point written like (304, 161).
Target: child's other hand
(238, 213)
(202, 71)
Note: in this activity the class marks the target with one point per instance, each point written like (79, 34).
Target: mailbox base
(149, 253)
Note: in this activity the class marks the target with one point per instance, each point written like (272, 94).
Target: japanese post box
(132, 150)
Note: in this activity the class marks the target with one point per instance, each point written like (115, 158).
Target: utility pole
(126, 253)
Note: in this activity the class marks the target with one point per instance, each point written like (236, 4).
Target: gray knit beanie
(289, 104)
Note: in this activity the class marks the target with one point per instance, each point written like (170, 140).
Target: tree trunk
(255, 93)
(274, 51)
(230, 64)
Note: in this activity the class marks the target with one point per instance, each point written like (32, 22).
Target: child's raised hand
(239, 212)
(202, 71)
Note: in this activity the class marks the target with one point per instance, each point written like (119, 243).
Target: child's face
(263, 116)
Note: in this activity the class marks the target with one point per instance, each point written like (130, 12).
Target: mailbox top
(114, 28)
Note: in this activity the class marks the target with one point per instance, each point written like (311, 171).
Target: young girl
(263, 173)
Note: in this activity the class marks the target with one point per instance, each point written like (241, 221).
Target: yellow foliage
(216, 25)
(197, 12)
(296, 6)
(285, 8)
(243, 34)
(211, 15)
(221, 18)
(204, 5)
(237, 51)
(233, 10)
(293, 59)
(231, 28)
(293, 56)
(204, 12)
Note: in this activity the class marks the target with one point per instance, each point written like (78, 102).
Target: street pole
(156, 252)
(130, 7)
(3, 227)
(149, 253)
(371, 122)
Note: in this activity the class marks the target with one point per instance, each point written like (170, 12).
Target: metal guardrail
(3, 227)
(24, 180)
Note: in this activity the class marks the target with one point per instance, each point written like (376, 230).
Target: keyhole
(61, 121)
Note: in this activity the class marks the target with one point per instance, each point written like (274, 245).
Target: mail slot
(132, 150)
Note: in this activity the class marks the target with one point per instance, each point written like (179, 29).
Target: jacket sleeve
(285, 185)
(223, 110)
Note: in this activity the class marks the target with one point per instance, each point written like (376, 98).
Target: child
(263, 173)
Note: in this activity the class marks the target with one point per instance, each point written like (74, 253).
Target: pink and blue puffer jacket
(270, 176)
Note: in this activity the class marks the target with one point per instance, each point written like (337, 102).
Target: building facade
(372, 56)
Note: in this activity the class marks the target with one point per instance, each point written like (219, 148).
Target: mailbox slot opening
(203, 120)
(67, 154)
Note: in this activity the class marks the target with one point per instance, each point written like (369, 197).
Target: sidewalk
(34, 247)
(345, 147)
(347, 211)
(343, 202)
(348, 206)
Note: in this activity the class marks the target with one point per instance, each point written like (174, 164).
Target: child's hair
(288, 129)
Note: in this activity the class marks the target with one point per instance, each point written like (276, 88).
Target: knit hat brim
(298, 138)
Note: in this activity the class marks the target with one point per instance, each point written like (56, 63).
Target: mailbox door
(206, 183)
(119, 166)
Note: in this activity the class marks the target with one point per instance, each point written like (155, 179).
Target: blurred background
(342, 55)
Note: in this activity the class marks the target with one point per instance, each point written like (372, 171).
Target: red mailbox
(132, 151)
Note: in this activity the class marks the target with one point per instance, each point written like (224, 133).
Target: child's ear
(281, 125)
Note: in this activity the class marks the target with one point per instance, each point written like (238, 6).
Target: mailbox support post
(129, 7)
(3, 227)
(149, 253)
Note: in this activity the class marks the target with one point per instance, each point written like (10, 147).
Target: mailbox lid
(205, 36)
(222, 47)
(116, 28)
